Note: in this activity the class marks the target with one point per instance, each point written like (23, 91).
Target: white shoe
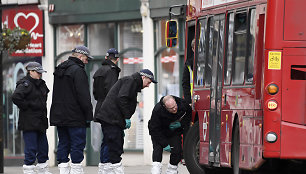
(172, 169)
(101, 168)
(64, 168)
(117, 168)
(76, 169)
(42, 168)
(28, 169)
(108, 169)
(156, 168)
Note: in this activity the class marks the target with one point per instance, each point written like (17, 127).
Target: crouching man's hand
(127, 123)
(175, 125)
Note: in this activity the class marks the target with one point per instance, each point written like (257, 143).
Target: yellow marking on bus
(274, 60)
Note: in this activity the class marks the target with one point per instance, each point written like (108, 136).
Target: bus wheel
(191, 150)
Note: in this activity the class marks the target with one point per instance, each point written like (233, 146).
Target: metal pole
(1, 104)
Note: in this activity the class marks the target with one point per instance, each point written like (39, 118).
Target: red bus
(249, 86)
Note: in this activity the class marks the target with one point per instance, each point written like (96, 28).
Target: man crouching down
(170, 119)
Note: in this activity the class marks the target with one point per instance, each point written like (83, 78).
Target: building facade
(136, 29)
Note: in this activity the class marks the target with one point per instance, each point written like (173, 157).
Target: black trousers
(175, 143)
(112, 144)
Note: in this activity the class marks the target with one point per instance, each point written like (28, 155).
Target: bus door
(215, 51)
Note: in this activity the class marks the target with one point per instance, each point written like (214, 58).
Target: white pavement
(132, 162)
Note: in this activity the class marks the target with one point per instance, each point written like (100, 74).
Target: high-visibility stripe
(191, 79)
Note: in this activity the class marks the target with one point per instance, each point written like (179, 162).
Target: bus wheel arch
(235, 145)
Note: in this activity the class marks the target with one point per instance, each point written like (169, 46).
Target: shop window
(101, 37)
(130, 37)
(167, 63)
(131, 61)
(67, 37)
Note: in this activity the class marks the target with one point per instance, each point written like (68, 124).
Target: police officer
(104, 78)
(114, 116)
(170, 119)
(30, 96)
(71, 109)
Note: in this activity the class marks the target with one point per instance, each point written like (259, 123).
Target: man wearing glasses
(170, 119)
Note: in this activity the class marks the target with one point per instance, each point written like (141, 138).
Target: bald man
(170, 119)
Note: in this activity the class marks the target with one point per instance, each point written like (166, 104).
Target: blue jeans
(72, 140)
(112, 143)
(35, 146)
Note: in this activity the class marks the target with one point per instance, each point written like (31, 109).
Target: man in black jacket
(30, 96)
(104, 78)
(170, 119)
(71, 109)
(114, 114)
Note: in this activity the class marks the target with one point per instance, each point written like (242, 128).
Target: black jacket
(186, 80)
(161, 118)
(104, 78)
(30, 96)
(71, 102)
(121, 101)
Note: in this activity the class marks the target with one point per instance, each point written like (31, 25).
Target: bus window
(229, 55)
(201, 58)
(239, 48)
(251, 46)
(210, 53)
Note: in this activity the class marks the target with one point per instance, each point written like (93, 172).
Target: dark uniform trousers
(175, 143)
(112, 145)
(72, 140)
(36, 145)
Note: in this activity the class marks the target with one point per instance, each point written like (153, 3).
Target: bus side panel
(294, 89)
(226, 137)
(294, 29)
(204, 150)
(204, 136)
(293, 141)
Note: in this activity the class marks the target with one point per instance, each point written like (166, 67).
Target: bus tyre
(191, 150)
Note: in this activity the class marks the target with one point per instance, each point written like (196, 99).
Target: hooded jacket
(104, 78)
(161, 119)
(71, 102)
(121, 101)
(30, 96)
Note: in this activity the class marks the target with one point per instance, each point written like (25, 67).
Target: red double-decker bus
(249, 86)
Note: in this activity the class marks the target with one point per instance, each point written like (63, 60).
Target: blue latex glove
(174, 125)
(167, 148)
(127, 123)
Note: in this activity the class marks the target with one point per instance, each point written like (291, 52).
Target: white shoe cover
(76, 169)
(42, 168)
(156, 168)
(117, 168)
(64, 168)
(172, 169)
(28, 169)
